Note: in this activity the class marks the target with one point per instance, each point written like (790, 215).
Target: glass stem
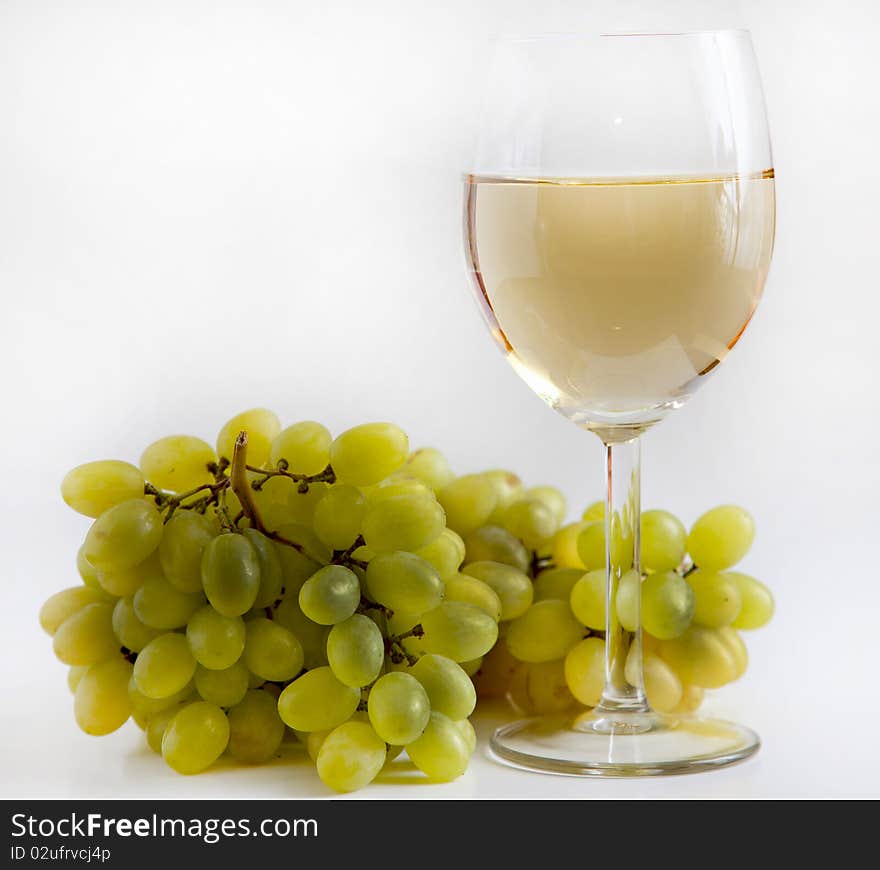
(624, 680)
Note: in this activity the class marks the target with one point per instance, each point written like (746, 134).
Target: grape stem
(325, 476)
(344, 557)
(394, 648)
(539, 564)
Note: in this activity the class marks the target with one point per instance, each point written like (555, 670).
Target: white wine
(613, 298)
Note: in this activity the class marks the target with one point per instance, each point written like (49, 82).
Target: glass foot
(633, 744)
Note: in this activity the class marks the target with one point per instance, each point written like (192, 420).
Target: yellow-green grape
(195, 738)
(398, 708)
(458, 631)
(663, 538)
(449, 689)
(317, 701)
(442, 752)
(186, 535)
(662, 685)
(667, 605)
(123, 535)
(691, 698)
(88, 573)
(178, 463)
(300, 506)
(314, 741)
(130, 631)
(271, 578)
(546, 631)
(403, 522)
(513, 588)
(224, 688)
(231, 574)
(271, 651)
(627, 598)
(156, 725)
(700, 656)
(551, 498)
(496, 544)
(541, 687)
(585, 670)
(466, 588)
(312, 545)
(591, 545)
(446, 552)
(74, 675)
(102, 704)
(62, 605)
(95, 487)
(86, 637)
(350, 757)
(467, 731)
(531, 521)
(717, 599)
(312, 637)
(496, 670)
(255, 728)
(304, 446)
(164, 666)
(508, 489)
(757, 602)
(721, 537)
(330, 595)
(216, 641)
(472, 666)
(731, 639)
(556, 583)
(430, 466)
(160, 605)
(144, 707)
(468, 502)
(587, 599)
(338, 516)
(262, 427)
(356, 651)
(296, 567)
(404, 582)
(398, 486)
(368, 453)
(564, 547)
(128, 580)
(594, 512)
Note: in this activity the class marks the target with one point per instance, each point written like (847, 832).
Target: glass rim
(634, 34)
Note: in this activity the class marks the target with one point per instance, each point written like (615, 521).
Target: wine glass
(619, 220)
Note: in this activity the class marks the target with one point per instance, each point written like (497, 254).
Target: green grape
(585, 670)
(313, 547)
(216, 641)
(186, 535)
(350, 757)
(496, 544)
(551, 498)
(513, 587)
(734, 643)
(164, 666)
(398, 708)
(402, 522)
(442, 752)
(717, 599)
(315, 740)
(317, 701)
(700, 656)
(123, 535)
(296, 567)
(398, 486)
(546, 631)
(667, 605)
(467, 731)
(662, 685)
(95, 487)
(587, 600)
(449, 689)
(160, 605)
(271, 578)
(156, 725)
(129, 630)
(495, 672)
(458, 631)
(508, 489)
(330, 595)
(271, 651)
(102, 704)
(564, 546)
(757, 602)
(556, 583)
(86, 637)
(430, 466)
(144, 707)
(300, 506)
(593, 512)
(195, 738)
(62, 605)
(541, 687)
(356, 651)
(627, 598)
(128, 580)
(531, 521)
(471, 590)
(262, 427)
(404, 582)
(312, 637)
(468, 502)
(304, 446)
(224, 688)
(721, 537)
(231, 574)
(178, 463)
(338, 516)
(255, 728)
(74, 675)
(591, 545)
(446, 552)
(368, 453)
(663, 539)
(691, 698)
(472, 666)
(87, 571)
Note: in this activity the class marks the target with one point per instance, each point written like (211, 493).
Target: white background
(206, 206)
